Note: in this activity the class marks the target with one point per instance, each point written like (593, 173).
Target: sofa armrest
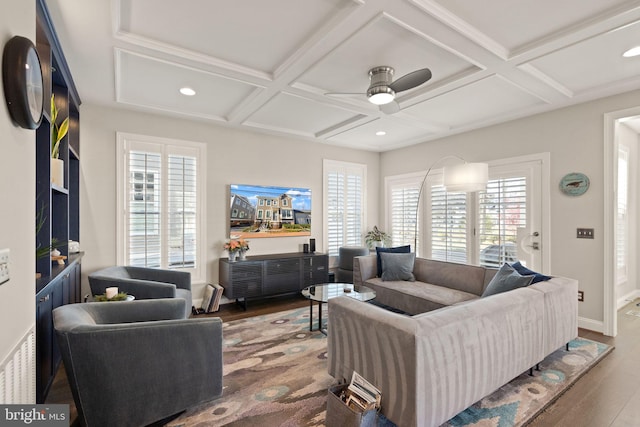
(364, 268)
(380, 346)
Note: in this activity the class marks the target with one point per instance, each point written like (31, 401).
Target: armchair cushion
(134, 363)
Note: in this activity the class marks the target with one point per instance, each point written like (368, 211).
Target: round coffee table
(324, 292)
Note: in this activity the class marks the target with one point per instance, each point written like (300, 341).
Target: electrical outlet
(585, 233)
(581, 296)
(4, 266)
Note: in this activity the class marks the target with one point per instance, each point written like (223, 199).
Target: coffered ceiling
(266, 66)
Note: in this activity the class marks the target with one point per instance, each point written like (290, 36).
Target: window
(484, 228)
(344, 201)
(402, 194)
(159, 195)
(448, 224)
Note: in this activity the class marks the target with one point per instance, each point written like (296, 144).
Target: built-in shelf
(58, 189)
(57, 206)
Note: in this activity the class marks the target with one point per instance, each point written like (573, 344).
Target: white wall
(17, 189)
(574, 138)
(234, 157)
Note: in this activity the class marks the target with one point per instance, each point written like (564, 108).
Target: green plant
(57, 131)
(43, 251)
(121, 296)
(376, 235)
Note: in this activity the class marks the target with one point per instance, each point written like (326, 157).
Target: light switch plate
(4, 266)
(585, 233)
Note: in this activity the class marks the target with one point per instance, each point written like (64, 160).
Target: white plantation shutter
(622, 215)
(162, 211)
(181, 209)
(144, 222)
(344, 200)
(403, 204)
(502, 211)
(448, 225)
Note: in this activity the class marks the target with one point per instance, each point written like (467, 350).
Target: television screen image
(261, 211)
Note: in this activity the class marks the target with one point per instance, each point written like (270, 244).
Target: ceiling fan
(382, 89)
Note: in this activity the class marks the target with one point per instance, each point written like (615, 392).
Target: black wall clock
(22, 80)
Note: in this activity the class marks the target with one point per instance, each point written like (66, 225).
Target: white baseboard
(626, 299)
(590, 324)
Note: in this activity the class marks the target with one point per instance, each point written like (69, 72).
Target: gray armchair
(344, 274)
(135, 363)
(144, 283)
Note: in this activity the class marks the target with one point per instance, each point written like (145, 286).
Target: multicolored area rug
(275, 374)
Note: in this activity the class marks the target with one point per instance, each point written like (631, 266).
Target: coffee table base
(322, 330)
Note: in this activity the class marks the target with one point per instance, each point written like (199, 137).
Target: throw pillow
(524, 271)
(506, 279)
(397, 266)
(398, 249)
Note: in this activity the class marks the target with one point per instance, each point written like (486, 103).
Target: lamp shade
(466, 177)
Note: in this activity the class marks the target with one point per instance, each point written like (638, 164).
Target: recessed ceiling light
(187, 91)
(634, 51)
(381, 133)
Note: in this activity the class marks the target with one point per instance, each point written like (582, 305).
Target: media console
(276, 274)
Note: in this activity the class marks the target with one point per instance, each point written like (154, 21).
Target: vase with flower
(244, 247)
(235, 248)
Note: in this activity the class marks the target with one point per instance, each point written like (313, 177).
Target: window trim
(180, 147)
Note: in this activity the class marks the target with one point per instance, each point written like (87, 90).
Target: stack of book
(211, 300)
(361, 395)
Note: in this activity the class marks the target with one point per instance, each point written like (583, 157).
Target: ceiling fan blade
(390, 108)
(345, 94)
(411, 80)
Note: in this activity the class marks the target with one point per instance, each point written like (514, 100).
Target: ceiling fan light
(381, 98)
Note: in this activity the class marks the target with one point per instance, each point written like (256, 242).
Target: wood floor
(609, 395)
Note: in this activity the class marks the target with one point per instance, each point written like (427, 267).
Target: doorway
(622, 147)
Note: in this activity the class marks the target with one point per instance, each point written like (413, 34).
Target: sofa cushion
(506, 279)
(397, 266)
(463, 277)
(398, 249)
(416, 297)
(524, 271)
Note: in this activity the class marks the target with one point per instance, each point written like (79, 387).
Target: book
(367, 394)
(217, 295)
(211, 298)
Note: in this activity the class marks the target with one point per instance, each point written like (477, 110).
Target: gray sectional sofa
(455, 347)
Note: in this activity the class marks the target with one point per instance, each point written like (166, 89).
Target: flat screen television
(258, 211)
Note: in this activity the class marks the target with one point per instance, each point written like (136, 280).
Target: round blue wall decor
(574, 184)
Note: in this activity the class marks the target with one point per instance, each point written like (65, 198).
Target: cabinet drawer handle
(45, 298)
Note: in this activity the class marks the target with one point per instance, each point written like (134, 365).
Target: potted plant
(57, 133)
(377, 237)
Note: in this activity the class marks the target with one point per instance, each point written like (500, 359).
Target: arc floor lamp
(466, 177)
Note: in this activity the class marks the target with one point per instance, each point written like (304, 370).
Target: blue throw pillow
(397, 250)
(524, 271)
(506, 279)
(397, 266)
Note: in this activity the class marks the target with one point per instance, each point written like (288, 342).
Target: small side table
(324, 292)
